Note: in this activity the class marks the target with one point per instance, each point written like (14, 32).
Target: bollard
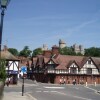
(86, 83)
(95, 83)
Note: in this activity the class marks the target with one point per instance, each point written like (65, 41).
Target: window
(89, 61)
(89, 70)
(50, 67)
(73, 70)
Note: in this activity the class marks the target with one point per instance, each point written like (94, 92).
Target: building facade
(12, 65)
(52, 67)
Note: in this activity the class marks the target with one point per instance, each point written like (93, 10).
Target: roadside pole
(24, 70)
(23, 86)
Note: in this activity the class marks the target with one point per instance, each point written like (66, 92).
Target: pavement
(16, 95)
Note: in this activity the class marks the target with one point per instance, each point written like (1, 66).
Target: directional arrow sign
(24, 69)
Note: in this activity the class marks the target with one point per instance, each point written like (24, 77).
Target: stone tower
(78, 48)
(45, 47)
(62, 44)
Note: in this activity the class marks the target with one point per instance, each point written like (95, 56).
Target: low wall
(1, 90)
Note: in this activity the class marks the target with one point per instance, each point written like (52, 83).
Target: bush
(2, 70)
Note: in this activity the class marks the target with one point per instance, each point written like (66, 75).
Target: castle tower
(62, 44)
(45, 47)
(78, 48)
(81, 49)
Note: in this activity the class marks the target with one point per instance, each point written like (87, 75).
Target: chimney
(47, 53)
(55, 50)
(5, 48)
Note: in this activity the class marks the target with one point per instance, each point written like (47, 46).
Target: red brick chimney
(55, 50)
(47, 53)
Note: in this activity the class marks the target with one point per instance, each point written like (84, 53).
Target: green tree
(79, 54)
(93, 51)
(37, 51)
(13, 51)
(2, 70)
(67, 51)
(26, 52)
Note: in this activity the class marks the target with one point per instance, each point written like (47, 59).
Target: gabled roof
(51, 59)
(40, 60)
(64, 61)
(68, 59)
(96, 60)
(7, 55)
(46, 60)
(61, 66)
(71, 62)
(34, 61)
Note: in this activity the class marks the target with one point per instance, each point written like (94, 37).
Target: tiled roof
(64, 61)
(34, 60)
(61, 66)
(96, 61)
(46, 60)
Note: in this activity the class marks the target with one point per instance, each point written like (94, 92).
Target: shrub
(2, 70)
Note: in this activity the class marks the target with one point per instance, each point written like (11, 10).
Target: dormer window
(89, 61)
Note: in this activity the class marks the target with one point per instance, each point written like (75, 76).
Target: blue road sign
(24, 69)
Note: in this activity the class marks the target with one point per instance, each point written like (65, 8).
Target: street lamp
(3, 6)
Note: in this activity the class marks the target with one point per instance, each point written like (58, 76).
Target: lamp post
(3, 6)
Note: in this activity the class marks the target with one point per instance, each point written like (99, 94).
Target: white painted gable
(50, 62)
(13, 65)
(89, 64)
(73, 65)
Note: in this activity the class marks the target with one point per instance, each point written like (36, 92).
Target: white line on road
(45, 91)
(38, 91)
(76, 88)
(53, 91)
(66, 94)
(73, 96)
(33, 98)
(82, 98)
(90, 88)
(54, 87)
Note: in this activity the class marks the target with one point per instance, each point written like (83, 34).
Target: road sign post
(24, 70)
(23, 87)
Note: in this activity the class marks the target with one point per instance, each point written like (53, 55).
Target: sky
(36, 22)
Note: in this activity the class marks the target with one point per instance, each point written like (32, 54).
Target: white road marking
(76, 88)
(45, 91)
(53, 91)
(82, 98)
(33, 98)
(54, 87)
(38, 88)
(90, 88)
(66, 94)
(38, 91)
(73, 96)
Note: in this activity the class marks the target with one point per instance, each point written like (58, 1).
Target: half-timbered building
(12, 65)
(52, 67)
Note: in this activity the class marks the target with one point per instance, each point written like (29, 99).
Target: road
(42, 91)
